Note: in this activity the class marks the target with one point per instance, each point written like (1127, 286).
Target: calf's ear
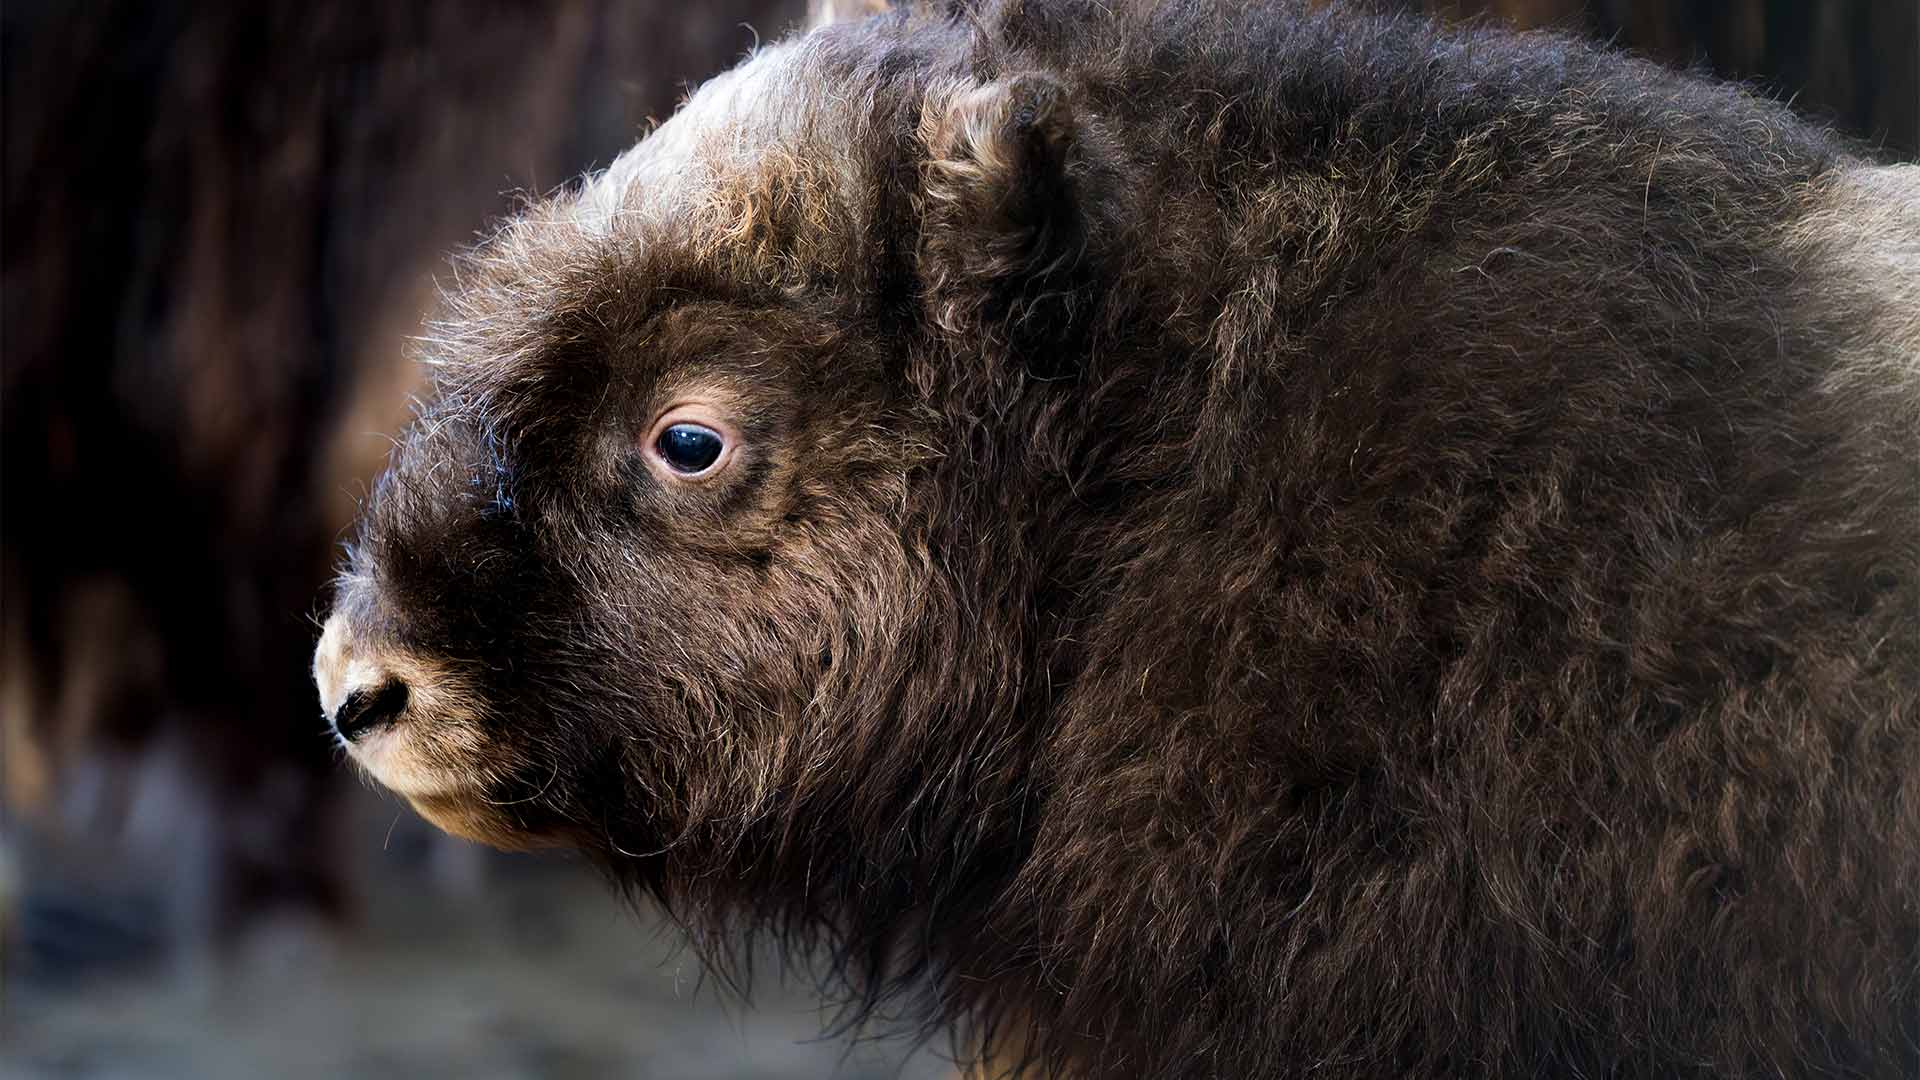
(1004, 208)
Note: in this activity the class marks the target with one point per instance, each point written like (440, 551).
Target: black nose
(369, 708)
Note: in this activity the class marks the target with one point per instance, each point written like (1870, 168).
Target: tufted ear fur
(1004, 222)
(824, 12)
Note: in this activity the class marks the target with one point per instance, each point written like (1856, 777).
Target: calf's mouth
(413, 726)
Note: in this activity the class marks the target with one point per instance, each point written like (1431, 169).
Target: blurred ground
(458, 963)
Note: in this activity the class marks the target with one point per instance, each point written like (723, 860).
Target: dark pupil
(689, 448)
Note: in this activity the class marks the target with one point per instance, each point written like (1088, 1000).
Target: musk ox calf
(1200, 539)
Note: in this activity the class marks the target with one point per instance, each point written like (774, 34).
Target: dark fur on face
(1261, 541)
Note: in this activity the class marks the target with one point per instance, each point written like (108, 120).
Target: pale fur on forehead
(826, 12)
(755, 179)
(1863, 228)
(725, 127)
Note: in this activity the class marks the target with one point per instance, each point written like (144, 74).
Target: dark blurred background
(220, 225)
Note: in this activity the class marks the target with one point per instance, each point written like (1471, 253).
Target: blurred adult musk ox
(1200, 539)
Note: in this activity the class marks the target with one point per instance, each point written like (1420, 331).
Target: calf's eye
(690, 449)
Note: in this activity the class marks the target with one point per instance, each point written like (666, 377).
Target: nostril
(369, 708)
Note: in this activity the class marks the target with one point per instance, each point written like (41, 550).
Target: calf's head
(682, 540)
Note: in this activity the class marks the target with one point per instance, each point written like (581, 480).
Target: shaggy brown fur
(1261, 541)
